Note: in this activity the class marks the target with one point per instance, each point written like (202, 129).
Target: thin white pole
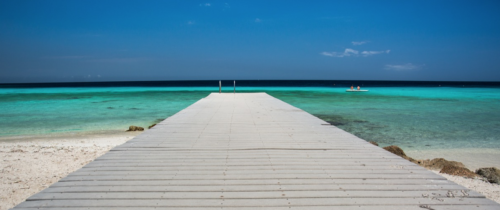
(220, 87)
(234, 90)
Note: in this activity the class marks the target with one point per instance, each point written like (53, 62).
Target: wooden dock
(251, 151)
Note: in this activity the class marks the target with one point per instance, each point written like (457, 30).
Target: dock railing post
(234, 90)
(220, 87)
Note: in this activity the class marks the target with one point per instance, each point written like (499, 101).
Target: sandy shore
(491, 191)
(31, 164)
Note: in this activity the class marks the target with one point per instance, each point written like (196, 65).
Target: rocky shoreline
(483, 180)
(489, 174)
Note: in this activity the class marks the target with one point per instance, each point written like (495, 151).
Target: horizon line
(280, 80)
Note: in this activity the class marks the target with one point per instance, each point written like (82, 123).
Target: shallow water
(413, 118)
(416, 118)
(55, 110)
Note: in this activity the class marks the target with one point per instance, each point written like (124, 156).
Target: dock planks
(251, 151)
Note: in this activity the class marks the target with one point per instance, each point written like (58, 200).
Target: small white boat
(349, 90)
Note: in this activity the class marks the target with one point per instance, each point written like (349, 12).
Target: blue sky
(75, 41)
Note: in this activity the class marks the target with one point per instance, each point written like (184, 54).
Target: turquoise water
(417, 118)
(412, 117)
(56, 110)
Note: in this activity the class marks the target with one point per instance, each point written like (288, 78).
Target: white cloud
(205, 5)
(347, 52)
(350, 52)
(402, 67)
(359, 43)
(332, 54)
(368, 53)
(190, 22)
(257, 20)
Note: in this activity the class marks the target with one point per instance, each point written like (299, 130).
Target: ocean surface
(413, 115)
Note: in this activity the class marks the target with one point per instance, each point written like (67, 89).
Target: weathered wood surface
(248, 151)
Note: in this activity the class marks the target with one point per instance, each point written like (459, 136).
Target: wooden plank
(249, 168)
(238, 172)
(252, 195)
(254, 176)
(160, 164)
(252, 188)
(240, 159)
(282, 202)
(256, 182)
(364, 207)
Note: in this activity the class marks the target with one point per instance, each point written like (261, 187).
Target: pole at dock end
(220, 87)
(234, 90)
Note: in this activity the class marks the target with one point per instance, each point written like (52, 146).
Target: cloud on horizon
(402, 67)
(350, 52)
(359, 43)
(368, 53)
(347, 52)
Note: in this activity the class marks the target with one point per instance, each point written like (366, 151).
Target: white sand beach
(491, 191)
(31, 164)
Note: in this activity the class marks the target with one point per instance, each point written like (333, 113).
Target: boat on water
(349, 90)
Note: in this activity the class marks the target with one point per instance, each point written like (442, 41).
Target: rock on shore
(399, 152)
(457, 171)
(445, 166)
(439, 163)
(135, 128)
(395, 150)
(492, 174)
